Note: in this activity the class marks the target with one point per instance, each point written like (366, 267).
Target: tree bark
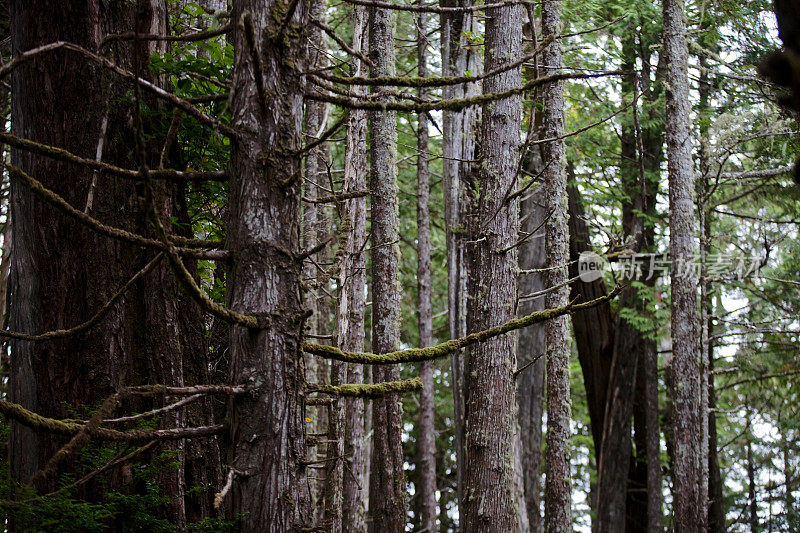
(387, 500)
(267, 425)
(558, 498)
(426, 440)
(458, 147)
(350, 314)
(489, 503)
(531, 349)
(685, 380)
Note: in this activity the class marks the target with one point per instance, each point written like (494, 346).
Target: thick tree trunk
(85, 269)
(426, 440)
(51, 279)
(558, 498)
(458, 147)
(267, 425)
(489, 503)
(350, 313)
(685, 390)
(387, 499)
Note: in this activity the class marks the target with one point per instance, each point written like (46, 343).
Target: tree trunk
(531, 347)
(387, 500)
(458, 147)
(489, 503)
(685, 380)
(350, 314)
(267, 425)
(82, 271)
(558, 498)
(426, 440)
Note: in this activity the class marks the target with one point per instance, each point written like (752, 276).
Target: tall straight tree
(353, 295)
(489, 501)
(148, 337)
(684, 371)
(557, 505)
(531, 344)
(51, 273)
(458, 149)
(387, 486)
(267, 426)
(426, 440)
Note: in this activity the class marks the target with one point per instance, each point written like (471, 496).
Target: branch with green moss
(455, 104)
(413, 81)
(438, 9)
(415, 355)
(35, 421)
(374, 390)
(59, 154)
(115, 233)
(62, 333)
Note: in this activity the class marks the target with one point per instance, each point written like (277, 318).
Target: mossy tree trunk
(489, 498)
(558, 498)
(268, 449)
(353, 295)
(387, 497)
(458, 147)
(684, 369)
(426, 440)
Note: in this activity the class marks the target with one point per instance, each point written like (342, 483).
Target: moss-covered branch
(375, 390)
(454, 104)
(414, 355)
(59, 154)
(62, 205)
(413, 81)
(51, 425)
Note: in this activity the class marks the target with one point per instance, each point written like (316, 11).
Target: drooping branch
(419, 82)
(187, 37)
(115, 233)
(59, 154)
(375, 390)
(35, 421)
(62, 333)
(125, 74)
(413, 355)
(437, 9)
(454, 104)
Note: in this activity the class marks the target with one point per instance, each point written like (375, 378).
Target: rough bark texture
(685, 393)
(270, 492)
(387, 499)
(350, 314)
(141, 340)
(489, 503)
(458, 147)
(558, 498)
(531, 348)
(426, 440)
(50, 99)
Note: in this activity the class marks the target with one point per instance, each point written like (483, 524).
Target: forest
(400, 265)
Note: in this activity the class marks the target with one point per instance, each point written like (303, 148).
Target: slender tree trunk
(685, 391)
(350, 314)
(531, 347)
(426, 440)
(654, 512)
(387, 500)
(267, 425)
(489, 503)
(558, 498)
(458, 147)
